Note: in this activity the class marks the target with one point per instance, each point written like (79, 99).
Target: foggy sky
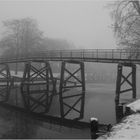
(86, 23)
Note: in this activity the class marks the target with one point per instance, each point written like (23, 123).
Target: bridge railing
(92, 54)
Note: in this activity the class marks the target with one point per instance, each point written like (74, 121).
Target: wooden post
(28, 86)
(118, 86)
(5, 83)
(61, 90)
(119, 112)
(83, 90)
(134, 81)
(127, 110)
(94, 128)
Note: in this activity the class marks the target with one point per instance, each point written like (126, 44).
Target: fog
(85, 23)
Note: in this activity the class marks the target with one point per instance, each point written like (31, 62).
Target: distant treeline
(47, 44)
(23, 36)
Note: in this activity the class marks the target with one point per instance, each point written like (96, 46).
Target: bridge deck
(93, 55)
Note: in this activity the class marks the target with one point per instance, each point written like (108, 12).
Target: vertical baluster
(83, 54)
(112, 54)
(97, 53)
(92, 53)
(120, 54)
(71, 54)
(61, 55)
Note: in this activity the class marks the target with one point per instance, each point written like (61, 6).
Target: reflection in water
(99, 103)
(18, 125)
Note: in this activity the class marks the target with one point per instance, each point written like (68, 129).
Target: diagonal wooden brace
(122, 79)
(72, 100)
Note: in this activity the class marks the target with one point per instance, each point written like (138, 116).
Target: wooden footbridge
(38, 85)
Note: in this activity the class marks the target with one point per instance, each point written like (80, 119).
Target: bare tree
(21, 35)
(126, 26)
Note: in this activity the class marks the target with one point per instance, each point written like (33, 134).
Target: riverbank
(129, 127)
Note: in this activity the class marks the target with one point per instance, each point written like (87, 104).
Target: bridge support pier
(126, 83)
(38, 86)
(72, 90)
(5, 82)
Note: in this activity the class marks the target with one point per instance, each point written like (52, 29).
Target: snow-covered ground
(135, 106)
(129, 128)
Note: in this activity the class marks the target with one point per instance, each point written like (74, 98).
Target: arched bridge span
(85, 55)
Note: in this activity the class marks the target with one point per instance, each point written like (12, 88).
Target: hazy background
(86, 23)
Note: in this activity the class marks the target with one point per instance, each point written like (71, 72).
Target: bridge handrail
(82, 54)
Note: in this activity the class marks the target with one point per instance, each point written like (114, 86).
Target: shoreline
(129, 126)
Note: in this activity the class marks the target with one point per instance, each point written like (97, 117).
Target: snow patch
(93, 119)
(129, 128)
(135, 106)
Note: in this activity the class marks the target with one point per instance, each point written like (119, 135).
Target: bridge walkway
(85, 55)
